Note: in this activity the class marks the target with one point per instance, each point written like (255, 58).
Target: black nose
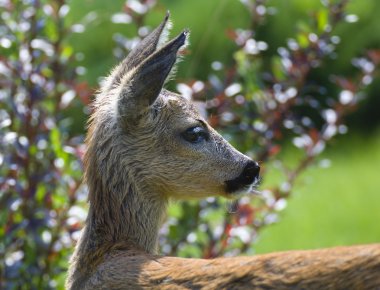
(247, 177)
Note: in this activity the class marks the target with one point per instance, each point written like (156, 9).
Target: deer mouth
(233, 190)
(246, 181)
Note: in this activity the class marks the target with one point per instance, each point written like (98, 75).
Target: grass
(339, 205)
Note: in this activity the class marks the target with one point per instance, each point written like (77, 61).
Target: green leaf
(175, 210)
(192, 251)
(59, 200)
(55, 139)
(67, 52)
(322, 19)
(277, 68)
(303, 40)
(40, 194)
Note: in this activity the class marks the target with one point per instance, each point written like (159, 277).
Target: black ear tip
(167, 15)
(179, 41)
(184, 36)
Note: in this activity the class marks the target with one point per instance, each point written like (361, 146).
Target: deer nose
(250, 173)
(248, 176)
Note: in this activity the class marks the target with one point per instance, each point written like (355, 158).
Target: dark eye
(195, 135)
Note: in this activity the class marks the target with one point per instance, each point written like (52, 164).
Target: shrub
(40, 167)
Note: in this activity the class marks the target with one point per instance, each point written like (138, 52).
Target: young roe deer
(147, 145)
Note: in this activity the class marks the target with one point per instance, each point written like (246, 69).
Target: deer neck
(122, 214)
(132, 222)
(124, 209)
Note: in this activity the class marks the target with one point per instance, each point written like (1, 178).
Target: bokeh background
(292, 83)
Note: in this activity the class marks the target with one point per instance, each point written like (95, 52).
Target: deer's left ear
(142, 85)
(145, 48)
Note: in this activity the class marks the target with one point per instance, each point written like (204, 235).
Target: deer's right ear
(142, 85)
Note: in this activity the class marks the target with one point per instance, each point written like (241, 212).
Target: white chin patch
(249, 189)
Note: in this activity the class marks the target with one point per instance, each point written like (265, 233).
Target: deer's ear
(143, 50)
(142, 85)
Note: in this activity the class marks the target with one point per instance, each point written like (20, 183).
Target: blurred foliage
(210, 21)
(40, 167)
(279, 85)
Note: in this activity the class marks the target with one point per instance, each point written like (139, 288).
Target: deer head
(157, 138)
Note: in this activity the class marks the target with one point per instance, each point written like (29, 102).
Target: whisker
(255, 191)
(232, 206)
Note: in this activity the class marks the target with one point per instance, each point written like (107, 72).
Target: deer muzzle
(247, 178)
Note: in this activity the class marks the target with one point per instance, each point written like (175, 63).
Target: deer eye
(195, 135)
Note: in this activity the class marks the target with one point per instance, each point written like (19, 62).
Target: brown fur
(337, 268)
(137, 159)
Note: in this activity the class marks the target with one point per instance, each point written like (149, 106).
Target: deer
(146, 146)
